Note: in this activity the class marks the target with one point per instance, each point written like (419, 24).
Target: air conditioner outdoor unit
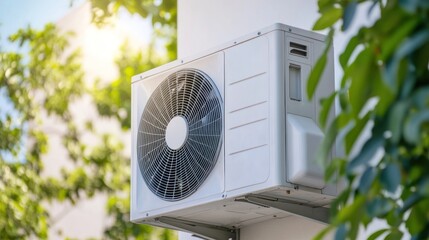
(228, 138)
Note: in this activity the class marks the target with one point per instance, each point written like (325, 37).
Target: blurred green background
(65, 71)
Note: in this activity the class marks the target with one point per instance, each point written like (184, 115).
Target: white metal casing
(270, 131)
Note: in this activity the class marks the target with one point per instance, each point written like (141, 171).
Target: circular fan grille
(174, 174)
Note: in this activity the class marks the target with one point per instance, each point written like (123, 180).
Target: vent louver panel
(174, 174)
(298, 49)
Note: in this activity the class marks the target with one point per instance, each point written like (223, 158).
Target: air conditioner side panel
(254, 115)
(304, 135)
(247, 114)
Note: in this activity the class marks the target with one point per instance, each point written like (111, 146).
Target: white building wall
(203, 24)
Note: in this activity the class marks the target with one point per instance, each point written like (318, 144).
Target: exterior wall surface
(204, 24)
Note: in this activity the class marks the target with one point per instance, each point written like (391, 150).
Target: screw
(288, 191)
(290, 29)
(259, 33)
(235, 42)
(147, 214)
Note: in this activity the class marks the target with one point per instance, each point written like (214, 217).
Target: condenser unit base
(208, 231)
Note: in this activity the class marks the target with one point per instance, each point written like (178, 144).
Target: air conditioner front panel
(213, 186)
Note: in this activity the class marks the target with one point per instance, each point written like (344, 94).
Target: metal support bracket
(204, 231)
(320, 214)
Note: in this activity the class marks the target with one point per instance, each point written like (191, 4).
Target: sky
(16, 14)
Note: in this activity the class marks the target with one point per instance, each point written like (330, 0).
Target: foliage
(41, 81)
(385, 89)
(34, 85)
(162, 13)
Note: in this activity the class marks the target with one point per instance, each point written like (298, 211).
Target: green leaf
(421, 97)
(361, 72)
(368, 150)
(326, 146)
(328, 18)
(409, 5)
(390, 177)
(423, 187)
(384, 93)
(348, 212)
(377, 234)
(390, 21)
(378, 207)
(393, 219)
(396, 119)
(394, 235)
(355, 224)
(418, 217)
(341, 232)
(412, 44)
(411, 201)
(367, 179)
(421, 57)
(315, 75)
(317, 71)
(355, 132)
(337, 165)
(344, 100)
(413, 125)
(349, 13)
(339, 202)
(407, 47)
(348, 51)
(400, 33)
(323, 4)
(326, 107)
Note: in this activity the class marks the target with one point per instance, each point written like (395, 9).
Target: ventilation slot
(295, 82)
(298, 49)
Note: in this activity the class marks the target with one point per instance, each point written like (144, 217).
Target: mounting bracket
(212, 232)
(320, 214)
(204, 231)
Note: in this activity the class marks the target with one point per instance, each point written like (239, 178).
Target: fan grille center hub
(176, 132)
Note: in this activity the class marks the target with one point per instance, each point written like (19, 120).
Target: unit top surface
(244, 38)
